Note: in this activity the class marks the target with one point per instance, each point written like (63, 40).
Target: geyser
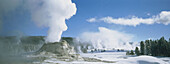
(45, 13)
(52, 14)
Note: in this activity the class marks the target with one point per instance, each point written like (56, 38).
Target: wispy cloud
(162, 18)
(131, 22)
(91, 20)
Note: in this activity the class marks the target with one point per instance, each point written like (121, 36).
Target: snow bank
(117, 57)
(142, 60)
(122, 58)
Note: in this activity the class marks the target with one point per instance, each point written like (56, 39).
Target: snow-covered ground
(122, 58)
(116, 57)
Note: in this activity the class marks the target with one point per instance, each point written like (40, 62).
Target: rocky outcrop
(59, 50)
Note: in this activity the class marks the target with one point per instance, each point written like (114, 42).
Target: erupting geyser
(45, 13)
(52, 14)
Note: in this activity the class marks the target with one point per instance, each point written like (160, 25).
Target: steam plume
(107, 38)
(45, 13)
(52, 14)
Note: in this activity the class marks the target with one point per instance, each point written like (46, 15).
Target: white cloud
(91, 20)
(107, 38)
(163, 17)
(131, 22)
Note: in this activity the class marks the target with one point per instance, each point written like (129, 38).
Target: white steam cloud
(52, 14)
(107, 38)
(163, 17)
(45, 13)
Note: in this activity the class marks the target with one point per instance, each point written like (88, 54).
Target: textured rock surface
(58, 50)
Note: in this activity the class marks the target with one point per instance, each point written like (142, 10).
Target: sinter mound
(62, 51)
(58, 48)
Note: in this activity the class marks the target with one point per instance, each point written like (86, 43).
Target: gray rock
(60, 50)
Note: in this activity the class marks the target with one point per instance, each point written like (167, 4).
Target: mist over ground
(107, 38)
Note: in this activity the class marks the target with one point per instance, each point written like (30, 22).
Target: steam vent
(59, 50)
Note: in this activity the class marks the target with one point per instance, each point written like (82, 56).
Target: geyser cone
(58, 48)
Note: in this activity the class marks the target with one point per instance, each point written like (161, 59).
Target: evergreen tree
(137, 51)
(168, 47)
(159, 47)
(131, 52)
(142, 47)
(156, 47)
(147, 47)
(162, 46)
(153, 48)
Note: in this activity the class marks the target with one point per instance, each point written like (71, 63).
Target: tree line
(160, 47)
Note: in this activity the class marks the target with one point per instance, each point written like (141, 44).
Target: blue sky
(19, 20)
(116, 9)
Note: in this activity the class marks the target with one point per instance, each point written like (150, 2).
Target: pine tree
(161, 46)
(142, 47)
(137, 51)
(131, 52)
(168, 53)
(153, 48)
(147, 47)
(156, 47)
